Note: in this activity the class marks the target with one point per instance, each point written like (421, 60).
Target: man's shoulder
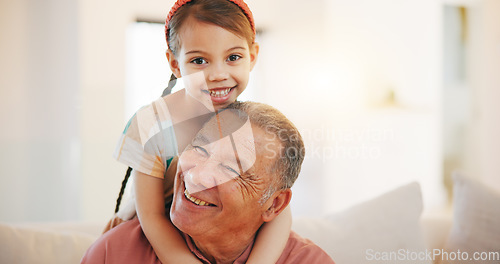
(303, 250)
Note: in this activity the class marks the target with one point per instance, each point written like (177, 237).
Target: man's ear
(278, 202)
(173, 63)
(254, 53)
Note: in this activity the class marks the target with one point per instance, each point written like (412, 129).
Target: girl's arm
(166, 240)
(272, 239)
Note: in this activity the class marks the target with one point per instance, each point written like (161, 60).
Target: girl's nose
(218, 72)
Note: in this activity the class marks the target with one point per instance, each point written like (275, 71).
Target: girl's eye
(233, 57)
(199, 61)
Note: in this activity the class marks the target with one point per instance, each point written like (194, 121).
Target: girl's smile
(220, 95)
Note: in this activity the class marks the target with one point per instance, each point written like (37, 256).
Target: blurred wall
(483, 152)
(101, 31)
(61, 107)
(39, 110)
(361, 80)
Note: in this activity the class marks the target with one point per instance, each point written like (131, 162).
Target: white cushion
(382, 230)
(476, 222)
(28, 245)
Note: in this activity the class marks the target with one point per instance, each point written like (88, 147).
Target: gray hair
(287, 164)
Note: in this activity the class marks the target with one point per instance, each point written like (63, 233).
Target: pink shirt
(126, 244)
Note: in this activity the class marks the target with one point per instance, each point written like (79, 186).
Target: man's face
(221, 177)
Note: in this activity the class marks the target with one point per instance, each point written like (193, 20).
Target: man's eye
(199, 61)
(200, 150)
(233, 57)
(231, 170)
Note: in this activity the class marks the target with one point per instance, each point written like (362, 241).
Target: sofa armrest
(42, 243)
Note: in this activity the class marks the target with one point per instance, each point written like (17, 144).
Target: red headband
(239, 3)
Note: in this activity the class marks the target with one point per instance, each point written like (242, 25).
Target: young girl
(211, 45)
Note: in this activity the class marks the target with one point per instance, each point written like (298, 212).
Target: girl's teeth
(220, 93)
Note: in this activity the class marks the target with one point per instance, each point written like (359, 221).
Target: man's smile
(195, 200)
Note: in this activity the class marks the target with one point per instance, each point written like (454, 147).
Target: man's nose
(203, 176)
(218, 72)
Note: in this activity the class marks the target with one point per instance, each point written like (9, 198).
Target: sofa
(386, 229)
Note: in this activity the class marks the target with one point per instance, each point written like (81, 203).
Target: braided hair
(167, 91)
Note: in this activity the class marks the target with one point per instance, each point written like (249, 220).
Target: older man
(234, 176)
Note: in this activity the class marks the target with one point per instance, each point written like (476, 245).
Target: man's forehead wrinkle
(245, 145)
(201, 138)
(249, 145)
(208, 134)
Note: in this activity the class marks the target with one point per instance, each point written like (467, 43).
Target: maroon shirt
(127, 244)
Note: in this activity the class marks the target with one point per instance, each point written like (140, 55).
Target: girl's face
(215, 63)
